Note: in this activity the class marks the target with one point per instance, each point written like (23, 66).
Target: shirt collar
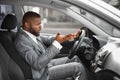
(33, 37)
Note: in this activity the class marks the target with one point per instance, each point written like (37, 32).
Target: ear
(27, 24)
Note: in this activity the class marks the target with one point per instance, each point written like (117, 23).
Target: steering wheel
(77, 44)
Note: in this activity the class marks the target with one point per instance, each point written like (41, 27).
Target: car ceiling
(45, 3)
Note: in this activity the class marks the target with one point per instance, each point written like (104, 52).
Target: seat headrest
(9, 22)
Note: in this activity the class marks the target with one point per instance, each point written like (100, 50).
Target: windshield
(99, 22)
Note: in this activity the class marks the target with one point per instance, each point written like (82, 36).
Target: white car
(98, 47)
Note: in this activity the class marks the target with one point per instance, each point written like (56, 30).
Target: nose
(42, 26)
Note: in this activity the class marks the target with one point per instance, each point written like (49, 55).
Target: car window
(54, 21)
(99, 22)
(4, 10)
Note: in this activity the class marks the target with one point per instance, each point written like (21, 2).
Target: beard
(32, 31)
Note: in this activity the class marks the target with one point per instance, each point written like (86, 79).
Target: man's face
(35, 26)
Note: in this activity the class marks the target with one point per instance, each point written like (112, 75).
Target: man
(32, 48)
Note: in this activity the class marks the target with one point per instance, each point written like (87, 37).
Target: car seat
(7, 37)
(9, 69)
(1, 73)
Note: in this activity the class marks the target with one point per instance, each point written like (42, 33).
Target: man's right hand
(61, 38)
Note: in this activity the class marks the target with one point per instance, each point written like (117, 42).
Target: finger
(78, 33)
(58, 34)
(69, 35)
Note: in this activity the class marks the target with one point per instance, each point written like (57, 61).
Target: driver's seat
(7, 36)
(9, 70)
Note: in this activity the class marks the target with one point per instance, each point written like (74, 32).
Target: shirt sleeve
(57, 45)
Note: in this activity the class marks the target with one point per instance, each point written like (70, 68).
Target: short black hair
(29, 15)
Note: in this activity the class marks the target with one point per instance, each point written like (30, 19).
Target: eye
(37, 23)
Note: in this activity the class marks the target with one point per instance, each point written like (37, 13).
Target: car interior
(96, 36)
